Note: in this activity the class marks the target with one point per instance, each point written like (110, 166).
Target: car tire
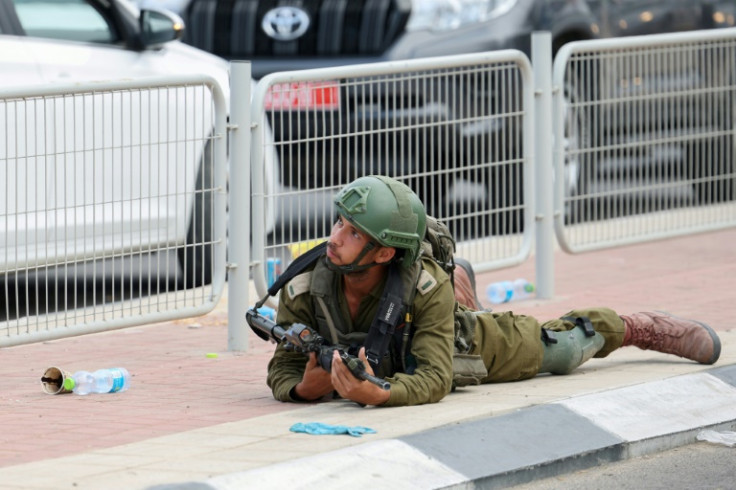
(579, 138)
(195, 258)
(713, 169)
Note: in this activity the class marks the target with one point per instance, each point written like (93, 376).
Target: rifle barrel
(263, 327)
(381, 383)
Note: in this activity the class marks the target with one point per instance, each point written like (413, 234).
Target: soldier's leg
(564, 351)
(576, 337)
(465, 292)
(653, 331)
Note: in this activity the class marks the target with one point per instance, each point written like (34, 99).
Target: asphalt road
(701, 465)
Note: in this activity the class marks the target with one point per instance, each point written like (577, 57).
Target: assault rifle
(301, 338)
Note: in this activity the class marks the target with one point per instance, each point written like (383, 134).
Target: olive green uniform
(510, 345)
(432, 345)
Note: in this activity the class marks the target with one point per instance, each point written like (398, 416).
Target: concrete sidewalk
(191, 418)
(518, 447)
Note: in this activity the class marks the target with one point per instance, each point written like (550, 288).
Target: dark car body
(280, 35)
(365, 31)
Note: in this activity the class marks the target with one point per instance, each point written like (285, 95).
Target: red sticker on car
(303, 95)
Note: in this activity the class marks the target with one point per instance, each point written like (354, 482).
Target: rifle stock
(301, 338)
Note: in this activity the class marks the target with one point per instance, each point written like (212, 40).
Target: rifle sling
(388, 316)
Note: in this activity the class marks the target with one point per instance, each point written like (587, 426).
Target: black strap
(388, 316)
(548, 337)
(582, 322)
(297, 267)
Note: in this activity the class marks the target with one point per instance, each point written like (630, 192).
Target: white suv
(98, 202)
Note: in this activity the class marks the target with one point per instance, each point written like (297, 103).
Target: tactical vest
(321, 283)
(397, 333)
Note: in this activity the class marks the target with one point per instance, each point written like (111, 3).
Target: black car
(280, 35)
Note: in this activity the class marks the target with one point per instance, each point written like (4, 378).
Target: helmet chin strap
(353, 266)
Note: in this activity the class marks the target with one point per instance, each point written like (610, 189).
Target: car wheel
(578, 167)
(713, 174)
(195, 258)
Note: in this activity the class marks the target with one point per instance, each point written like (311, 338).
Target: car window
(72, 20)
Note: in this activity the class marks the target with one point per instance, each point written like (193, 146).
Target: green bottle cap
(69, 384)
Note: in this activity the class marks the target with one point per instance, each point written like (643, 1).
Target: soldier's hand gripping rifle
(301, 338)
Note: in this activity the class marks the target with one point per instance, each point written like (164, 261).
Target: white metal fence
(114, 210)
(646, 135)
(113, 205)
(642, 137)
(456, 130)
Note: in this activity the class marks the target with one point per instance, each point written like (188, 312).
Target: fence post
(544, 208)
(239, 206)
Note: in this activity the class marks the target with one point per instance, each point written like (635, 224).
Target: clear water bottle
(111, 380)
(523, 289)
(505, 291)
(500, 292)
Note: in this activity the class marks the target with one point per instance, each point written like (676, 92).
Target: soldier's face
(346, 242)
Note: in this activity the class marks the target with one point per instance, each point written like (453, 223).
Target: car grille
(232, 28)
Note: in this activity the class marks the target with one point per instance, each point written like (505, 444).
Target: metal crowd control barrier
(456, 129)
(113, 206)
(644, 138)
(114, 211)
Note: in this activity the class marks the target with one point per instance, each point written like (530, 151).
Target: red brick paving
(175, 387)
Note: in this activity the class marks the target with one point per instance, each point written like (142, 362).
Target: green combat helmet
(386, 210)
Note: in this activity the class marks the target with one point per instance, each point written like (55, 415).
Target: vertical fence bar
(544, 219)
(239, 205)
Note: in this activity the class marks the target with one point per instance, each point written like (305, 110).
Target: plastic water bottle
(523, 289)
(505, 291)
(500, 292)
(111, 380)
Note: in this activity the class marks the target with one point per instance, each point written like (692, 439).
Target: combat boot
(465, 293)
(666, 333)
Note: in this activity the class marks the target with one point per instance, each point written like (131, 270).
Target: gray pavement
(191, 421)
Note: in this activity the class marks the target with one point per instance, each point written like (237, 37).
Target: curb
(519, 447)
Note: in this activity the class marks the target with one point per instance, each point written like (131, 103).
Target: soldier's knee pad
(564, 351)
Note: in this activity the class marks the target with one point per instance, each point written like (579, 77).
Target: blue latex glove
(318, 428)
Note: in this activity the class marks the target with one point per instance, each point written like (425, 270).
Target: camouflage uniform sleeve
(285, 371)
(432, 347)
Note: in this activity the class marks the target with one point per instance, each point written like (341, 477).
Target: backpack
(440, 246)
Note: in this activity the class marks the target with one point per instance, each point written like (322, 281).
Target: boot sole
(711, 332)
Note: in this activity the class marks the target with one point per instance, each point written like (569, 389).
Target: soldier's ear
(384, 255)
